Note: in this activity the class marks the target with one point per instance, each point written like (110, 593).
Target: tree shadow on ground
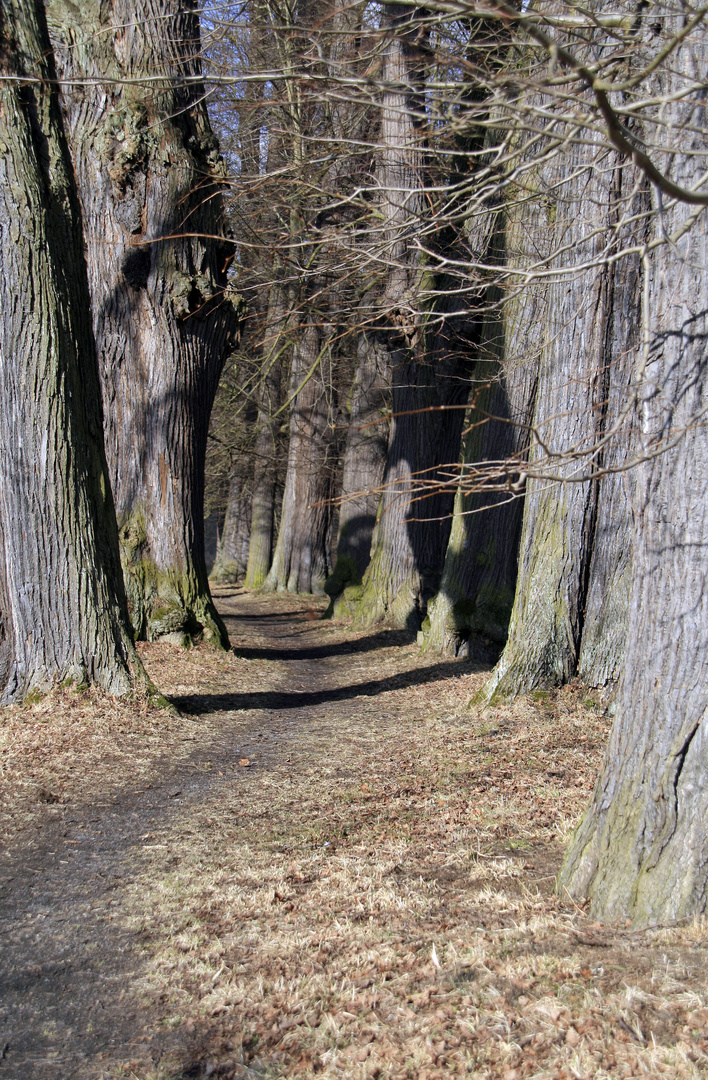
(196, 704)
(381, 640)
(264, 617)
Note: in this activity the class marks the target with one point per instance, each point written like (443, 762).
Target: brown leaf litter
(327, 866)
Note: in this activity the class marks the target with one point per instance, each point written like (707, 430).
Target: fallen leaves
(375, 899)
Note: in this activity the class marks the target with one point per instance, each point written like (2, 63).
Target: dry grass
(373, 895)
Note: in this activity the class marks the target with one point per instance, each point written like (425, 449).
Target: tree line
(452, 265)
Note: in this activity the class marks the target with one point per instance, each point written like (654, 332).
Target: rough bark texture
(148, 173)
(63, 614)
(571, 599)
(642, 850)
(364, 463)
(301, 561)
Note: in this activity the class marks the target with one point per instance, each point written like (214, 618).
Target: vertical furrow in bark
(63, 609)
(149, 178)
(579, 361)
(607, 592)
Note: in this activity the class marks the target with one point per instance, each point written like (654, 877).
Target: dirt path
(325, 866)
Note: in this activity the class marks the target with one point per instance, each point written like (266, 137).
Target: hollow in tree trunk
(149, 175)
(63, 613)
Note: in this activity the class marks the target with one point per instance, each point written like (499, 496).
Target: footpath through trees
(326, 865)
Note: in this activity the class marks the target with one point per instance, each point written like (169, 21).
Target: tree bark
(469, 616)
(266, 448)
(149, 177)
(301, 561)
(642, 849)
(571, 602)
(364, 463)
(405, 555)
(408, 545)
(233, 542)
(63, 613)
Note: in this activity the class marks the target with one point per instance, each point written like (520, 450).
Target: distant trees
(520, 242)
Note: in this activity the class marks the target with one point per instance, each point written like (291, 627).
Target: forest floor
(325, 865)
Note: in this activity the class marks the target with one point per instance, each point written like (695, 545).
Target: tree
(260, 549)
(149, 176)
(230, 474)
(641, 849)
(63, 613)
(363, 465)
(410, 353)
(576, 536)
(301, 561)
(469, 616)
(603, 283)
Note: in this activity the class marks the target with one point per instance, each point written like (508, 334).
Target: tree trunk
(408, 546)
(642, 849)
(63, 614)
(470, 614)
(149, 177)
(571, 599)
(266, 448)
(401, 572)
(232, 545)
(364, 464)
(301, 562)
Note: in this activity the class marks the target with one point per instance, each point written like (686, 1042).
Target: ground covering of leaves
(327, 865)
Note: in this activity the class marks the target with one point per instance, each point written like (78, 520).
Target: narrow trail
(69, 961)
(325, 866)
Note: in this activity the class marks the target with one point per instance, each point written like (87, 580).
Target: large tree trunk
(642, 849)
(405, 558)
(301, 562)
(148, 173)
(63, 613)
(571, 599)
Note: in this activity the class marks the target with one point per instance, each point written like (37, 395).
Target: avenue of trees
(443, 277)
